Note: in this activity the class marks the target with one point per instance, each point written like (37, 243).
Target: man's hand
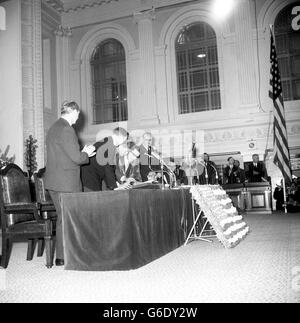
(89, 150)
(124, 186)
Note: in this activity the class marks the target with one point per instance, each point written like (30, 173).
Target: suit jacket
(180, 176)
(211, 172)
(260, 169)
(240, 175)
(63, 158)
(230, 175)
(147, 164)
(101, 167)
(132, 171)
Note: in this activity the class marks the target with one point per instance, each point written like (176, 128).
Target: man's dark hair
(228, 159)
(131, 145)
(237, 161)
(69, 105)
(255, 155)
(121, 132)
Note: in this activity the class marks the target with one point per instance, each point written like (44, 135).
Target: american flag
(281, 148)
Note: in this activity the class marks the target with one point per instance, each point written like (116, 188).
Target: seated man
(102, 166)
(127, 164)
(181, 178)
(257, 171)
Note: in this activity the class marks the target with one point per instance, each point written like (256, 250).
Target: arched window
(197, 69)
(288, 51)
(108, 65)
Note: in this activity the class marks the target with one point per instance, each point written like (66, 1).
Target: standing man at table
(257, 171)
(148, 162)
(63, 164)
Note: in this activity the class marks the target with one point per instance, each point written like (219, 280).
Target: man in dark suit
(147, 163)
(229, 172)
(63, 164)
(239, 173)
(257, 171)
(127, 165)
(210, 174)
(101, 168)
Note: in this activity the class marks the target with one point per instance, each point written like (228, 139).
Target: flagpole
(284, 194)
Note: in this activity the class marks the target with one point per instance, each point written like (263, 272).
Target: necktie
(149, 153)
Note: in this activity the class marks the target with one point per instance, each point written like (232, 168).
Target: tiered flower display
(217, 207)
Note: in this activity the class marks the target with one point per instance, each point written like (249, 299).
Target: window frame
(286, 33)
(206, 68)
(100, 63)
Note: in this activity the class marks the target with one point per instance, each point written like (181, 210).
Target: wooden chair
(20, 217)
(46, 207)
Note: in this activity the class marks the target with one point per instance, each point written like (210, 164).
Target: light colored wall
(243, 64)
(50, 22)
(11, 116)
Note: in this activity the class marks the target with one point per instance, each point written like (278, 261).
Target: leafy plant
(30, 155)
(4, 159)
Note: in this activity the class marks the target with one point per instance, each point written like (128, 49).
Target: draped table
(123, 230)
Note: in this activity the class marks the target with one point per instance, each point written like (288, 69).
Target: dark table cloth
(123, 230)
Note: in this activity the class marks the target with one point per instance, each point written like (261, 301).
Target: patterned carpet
(263, 268)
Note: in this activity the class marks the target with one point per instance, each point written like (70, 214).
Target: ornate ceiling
(66, 6)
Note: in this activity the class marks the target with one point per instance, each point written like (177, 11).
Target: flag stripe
(281, 136)
(283, 166)
(281, 148)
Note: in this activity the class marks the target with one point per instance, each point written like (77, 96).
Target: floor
(265, 267)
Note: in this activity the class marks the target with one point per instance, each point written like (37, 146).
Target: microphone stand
(169, 172)
(217, 177)
(205, 167)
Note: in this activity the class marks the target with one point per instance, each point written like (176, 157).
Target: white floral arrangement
(222, 215)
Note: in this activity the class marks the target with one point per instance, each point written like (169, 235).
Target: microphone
(169, 170)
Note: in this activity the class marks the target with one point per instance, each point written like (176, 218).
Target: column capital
(63, 31)
(144, 15)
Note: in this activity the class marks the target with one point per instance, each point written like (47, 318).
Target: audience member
(257, 171)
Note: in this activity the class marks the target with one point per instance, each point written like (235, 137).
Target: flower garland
(218, 209)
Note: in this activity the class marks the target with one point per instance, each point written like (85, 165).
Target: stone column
(32, 78)
(144, 21)
(245, 52)
(2, 18)
(63, 63)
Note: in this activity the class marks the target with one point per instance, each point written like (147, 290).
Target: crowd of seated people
(292, 196)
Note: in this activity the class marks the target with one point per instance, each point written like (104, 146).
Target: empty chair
(46, 207)
(20, 217)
